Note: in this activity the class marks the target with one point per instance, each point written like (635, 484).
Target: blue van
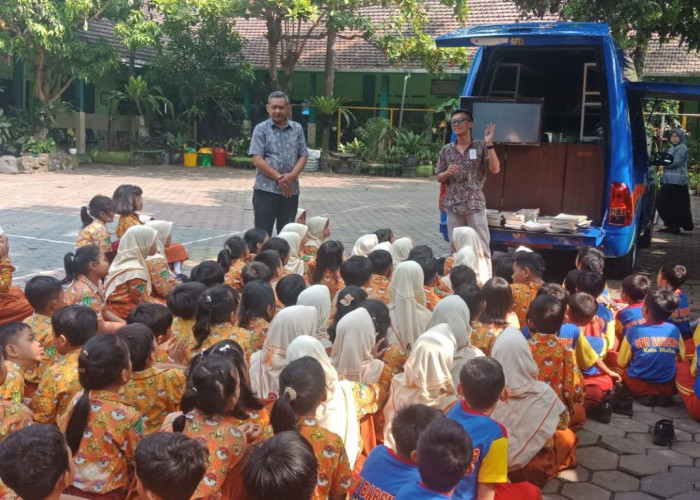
(572, 132)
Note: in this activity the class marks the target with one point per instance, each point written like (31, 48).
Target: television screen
(518, 121)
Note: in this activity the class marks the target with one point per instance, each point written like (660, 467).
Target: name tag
(472, 154)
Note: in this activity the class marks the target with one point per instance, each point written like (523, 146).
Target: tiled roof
(670, 59)
(103, 29)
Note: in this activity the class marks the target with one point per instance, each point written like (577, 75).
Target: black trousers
(673, 204)
(268, 207)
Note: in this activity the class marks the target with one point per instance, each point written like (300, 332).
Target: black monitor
(518, 121)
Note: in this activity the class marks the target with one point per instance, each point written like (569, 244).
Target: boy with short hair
(528, 270)
(356, 271)
(634, 288)
(444, 457)
(594, 284)
(462, 275)
(154, 392)
(382, 267)
(208, 272)
(471, 294)
(72, 327)
(386, 471)
(673, 276)
(169, 466)
(182, 302)
(255, 271)
(433, 294)
(289, 288)
(159, 319)
(21, 351)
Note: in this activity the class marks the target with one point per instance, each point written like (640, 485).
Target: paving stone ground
(40, 213)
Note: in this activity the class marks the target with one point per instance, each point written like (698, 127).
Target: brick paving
(617, 461)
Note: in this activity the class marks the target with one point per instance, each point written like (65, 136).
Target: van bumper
(592, 236)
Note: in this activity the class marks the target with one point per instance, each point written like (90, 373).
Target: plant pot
(73, 151)
(176, 157)
(692, 192)
(356, 165)
(324, 164)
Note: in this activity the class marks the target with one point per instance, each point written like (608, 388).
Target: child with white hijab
(318, 232)
(407, 304)
(294, 264)
(267, 363)
(294, 227)
(162, 279)
(465, 236)
(465, 257)
(319, 297)
(365, 244)
(400, 249)
(454, 311)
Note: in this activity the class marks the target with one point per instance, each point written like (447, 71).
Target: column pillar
(80, 115)
(311, 128)
(384, 96)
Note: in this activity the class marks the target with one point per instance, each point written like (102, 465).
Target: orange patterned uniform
(95, 233)
(57, 387)
(233, 276)
(12, 389)
(523, 294)
(85, 292)
(378, 288)
(334, 474)
(484, 335)
(161, 281)
(257, 333)
(557, 365)
(125, 222)
(127, 296)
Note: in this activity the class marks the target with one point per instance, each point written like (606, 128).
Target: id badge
(472, 154)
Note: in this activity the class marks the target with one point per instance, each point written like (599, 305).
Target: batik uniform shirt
(95, 233)
(449, 264)
(13, 417)
(484, 335)
(395, 357)
(233, 276)
(432, 297)
(84, 292)
(226, 445)
(333, 281)
(155, 393)
(260, 417)
(6, 270)
(384, 380)
(217, 333)
(681, 316)
(378, 288)
(126, 296)
(125, 222)
(161, 280)
(558, 369)
(309, 251)
(13, 386)
(41, 326)
(523, 295)
(257, 333)
(334, 474)
(58, 385)
(464, 190)
(369, 398)
(629, 316)
(649, 352)
(383, 474)
(109, 442)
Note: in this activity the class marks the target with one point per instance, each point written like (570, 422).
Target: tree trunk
(638, 56)
(326, 139)
(330, 61)
(274, 34)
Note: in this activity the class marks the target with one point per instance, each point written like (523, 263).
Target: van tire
(622, 267)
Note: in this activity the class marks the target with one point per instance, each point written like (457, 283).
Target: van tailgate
(592, 236)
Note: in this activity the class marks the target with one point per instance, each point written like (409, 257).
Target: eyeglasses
(459, 121)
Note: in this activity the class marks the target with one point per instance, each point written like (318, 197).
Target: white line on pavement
(71, 243)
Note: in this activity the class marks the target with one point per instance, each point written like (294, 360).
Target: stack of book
(513, 220)
(493, 217)
(566, 223)
(542, 227)
(529, 214)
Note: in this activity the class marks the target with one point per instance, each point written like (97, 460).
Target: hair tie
(347, 300)
(194, 389)
(291, 392)
(85, 353)
(207, 299)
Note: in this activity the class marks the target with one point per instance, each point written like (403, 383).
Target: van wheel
(622, 266)
(644, 239)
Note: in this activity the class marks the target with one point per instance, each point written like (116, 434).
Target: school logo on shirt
(657, 344)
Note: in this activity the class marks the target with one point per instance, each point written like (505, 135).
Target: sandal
(663, 433)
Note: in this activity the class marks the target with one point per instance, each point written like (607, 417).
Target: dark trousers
(268, 207)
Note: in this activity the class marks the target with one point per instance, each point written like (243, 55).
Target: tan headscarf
(294, 265)
(130, 261)
(384, 245)
(464, 236)
(267, 363)
(337, 413)
(454, 311)
(300, 213)
(464, 257)
(364, 244)
(352, 349)
(407, 310)
(164, 228)
(531, 415)
(426, 378)
(316, 226)
(295, 227)
(319, 297)
(400, 249)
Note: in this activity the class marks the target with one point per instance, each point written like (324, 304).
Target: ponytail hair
(256, 299)
(100, 364)
(77, 263)
(98, 204)
(214, 306)
(211, 383)
(329, 256)
(234, 248)
(302, 385)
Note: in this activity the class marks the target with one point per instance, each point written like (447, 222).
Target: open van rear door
(665, 90)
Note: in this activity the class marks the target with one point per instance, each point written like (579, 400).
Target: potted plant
(357, 149)
(327, 109)
(375, 137)
(72, 149)
(175, 144)
(412, 144)
(693, 182)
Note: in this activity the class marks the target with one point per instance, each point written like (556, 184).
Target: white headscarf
(352, 350)
(364, 244)
(316, 226)
(294, 265)
(267, 363)
(426, 378)
(337, 413)
(319, 297)
(400, 249)
(465, 236)
(164, 228)
(407, 310)
(295, 227)
(384, 245)
(130, 261)
(300, 213)
(454, 311)
(464, 257)
(531, 415)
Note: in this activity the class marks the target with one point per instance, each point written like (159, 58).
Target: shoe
(603, 412)
(663, 432)
(647, 400)
(670, 230)
(621, 400)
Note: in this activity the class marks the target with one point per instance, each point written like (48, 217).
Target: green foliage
(693, 152)
(356, 147)
(142, 98)
(410, 142)
(7, 135)
(35, 146)
(327, 109)
(375, 135)
(175, 142)
(238, 146)
(694, 180)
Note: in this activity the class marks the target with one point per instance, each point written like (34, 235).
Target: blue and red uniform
(681, 316)
(383, 474)
(419, 491)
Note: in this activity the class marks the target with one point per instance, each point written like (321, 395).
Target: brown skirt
(14, 306)
(549, 462)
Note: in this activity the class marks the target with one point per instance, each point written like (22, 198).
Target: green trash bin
(205, 155)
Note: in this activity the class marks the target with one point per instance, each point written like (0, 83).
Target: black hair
(41, 290)
(428, 265)
(302, 385)
(379, 312)
(97, 204)
(124, 199)
(215, 306)
(100, 365)
(420, 251)
(547, 313)
(78, 323)
(253, 238)
(281, 246)
(271, 258)
(155, 316)
(329, 256)
(582, 307)
(234, 248)
(208, 272)
(499, 301)
(504, 268)
(661, 303)
(591, 259)
(531, 260)
(381, 261)
(183, 298)
(444, 454)
(284, 466)
(675, 274)
(171, 465)
(289, 288)
(462, 275)
(349, 299)
(139, 339)
(590, 282)
(210, 386)
(555, 290)
(570, 280)
(407, 425)
(9, 333)
(462, 111)
(482, 381)
(77, 263)
(636, 286)
(253, 271)
(471, 294)
(356, 270)
(384, 234)
(256, 299)
(32, 460)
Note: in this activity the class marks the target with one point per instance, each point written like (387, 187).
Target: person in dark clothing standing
(673, 202)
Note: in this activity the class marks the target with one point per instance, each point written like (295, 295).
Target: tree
(141, 98)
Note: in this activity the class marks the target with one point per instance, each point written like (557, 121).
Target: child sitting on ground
(433, 294)
(633, 290)
(319, 231)
(127, 201)
(13, 304)
(326, 269)
(21, 351)
(471, 294)
(256, 311)
(528, 270)
(255, 239)
(256, 271)
(382, 267)
(182, 303)
(207, 272)
(289, 288)
(159, 319)
(162, 279)
(461, 275)
(386, 471)
(673, 276)
(73, 326)
(296, 264)
(356, 271)
(498, 297)
(95, 218)
(232, 259)
(594, 284)
(281, 246)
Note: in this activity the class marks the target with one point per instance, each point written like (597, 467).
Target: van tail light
(621, 205)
